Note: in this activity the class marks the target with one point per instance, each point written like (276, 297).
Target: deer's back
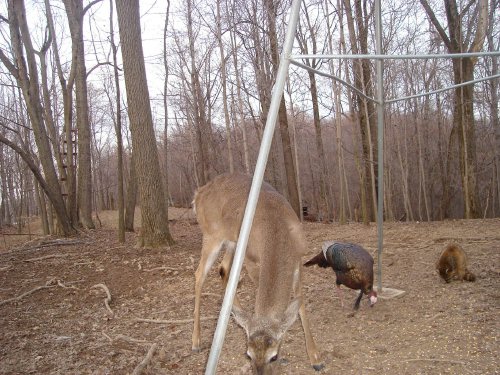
(220, 206)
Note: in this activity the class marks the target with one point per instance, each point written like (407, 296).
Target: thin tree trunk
(293, 194)
(43, 209)
(118, 130)
(224, 88)
(200, 124)
(241, 118)
(131, 197)
(75, 12)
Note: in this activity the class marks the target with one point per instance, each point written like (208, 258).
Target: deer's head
(264, 335)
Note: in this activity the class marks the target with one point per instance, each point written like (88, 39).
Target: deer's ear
(241, 317)
(290, 315)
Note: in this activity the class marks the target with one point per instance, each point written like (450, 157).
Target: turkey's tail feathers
(318, 260)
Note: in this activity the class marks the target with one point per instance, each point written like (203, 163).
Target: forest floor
(53, 317)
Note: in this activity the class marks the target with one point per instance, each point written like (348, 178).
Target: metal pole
(399, 57)
(246, 225)
(380, 140)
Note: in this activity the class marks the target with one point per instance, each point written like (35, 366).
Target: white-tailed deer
(273, 262)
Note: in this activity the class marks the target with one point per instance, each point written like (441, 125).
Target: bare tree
(358, 34)
(67, 169)
(200, 122)
(324, 175)
(154, 230)
(118, 129)
(291, 177)
(462, 38)
(26, 73)
(75, 13)
(224, 86)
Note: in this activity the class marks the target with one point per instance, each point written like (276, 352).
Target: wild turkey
(353, 267)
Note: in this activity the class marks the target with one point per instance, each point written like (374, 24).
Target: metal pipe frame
(277, 92)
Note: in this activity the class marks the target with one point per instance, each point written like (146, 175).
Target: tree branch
(9, 65)
(482, 27)
(90, 5)
(98, 65)
(29, 161)
(436, 24)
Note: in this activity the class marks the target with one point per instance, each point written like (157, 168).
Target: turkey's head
(372, 296)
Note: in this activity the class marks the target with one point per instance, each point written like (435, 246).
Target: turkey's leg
(339, 293)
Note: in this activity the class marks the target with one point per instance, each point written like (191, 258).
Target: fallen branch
(53, 243)
(48, 284)
(82, 263)
(181, 321)
(435, 360)
(60, 283)
(161, 268)
(46, 257)
(141, 366)
(43, 244)
(127, 339)
(107, 300)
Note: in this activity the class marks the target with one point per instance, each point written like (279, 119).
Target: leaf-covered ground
(53, 317)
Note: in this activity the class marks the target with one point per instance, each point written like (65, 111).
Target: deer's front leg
(312, 350)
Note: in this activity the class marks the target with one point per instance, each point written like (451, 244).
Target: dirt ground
(53, 317)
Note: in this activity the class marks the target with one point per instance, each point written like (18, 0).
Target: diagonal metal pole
(260, 167)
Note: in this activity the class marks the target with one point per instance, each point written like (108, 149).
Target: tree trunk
(68, 167)
(6, 211)
(154, 231)
(203, 134)
(118, 130)
(365, 109)
(43, 209)
(131, 197)
(75, 13)
(224, 89)
(463, 119)
(293, 193)
(240, 117)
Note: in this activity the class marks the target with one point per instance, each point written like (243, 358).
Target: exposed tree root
(181, 321)
(46, 257)
(141, 366)
(52, 243)
(435, 360)
(49, 284)
(161, 268)
(107, 300)
(127, 339)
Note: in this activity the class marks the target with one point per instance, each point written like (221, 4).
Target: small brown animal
(453, 264)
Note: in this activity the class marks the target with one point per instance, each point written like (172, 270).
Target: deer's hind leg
(209, 252)
(225, 267)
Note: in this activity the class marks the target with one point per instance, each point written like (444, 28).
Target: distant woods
(79, 135)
